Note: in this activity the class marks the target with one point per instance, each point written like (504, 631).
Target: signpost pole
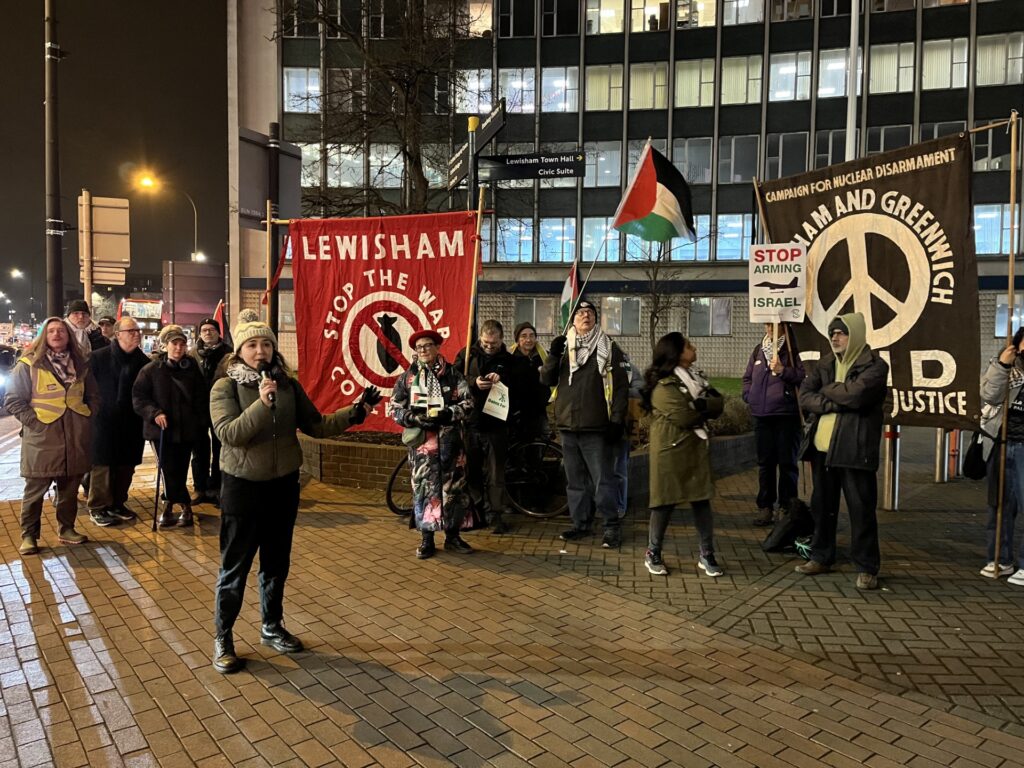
(270, 257)
(85, 244)
(476, 277)
(474, 123)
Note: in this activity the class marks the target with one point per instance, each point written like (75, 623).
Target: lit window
(700, 249)
(604, 163)
(515, 240)
(788, 10)
(636, 147)
(733, 236)
(604, 16)
(742, 12)
(301, 89)
(892, 68)
(695, 13)
(604, 88)
(789, 76)
(648, 16)
(310, 176)
(557, 239)
(473, 87)
(999, 59)
(832, 72)
(473, 18)
(648, 86)
(944, 64)
(560, 89)
(695, 83)
(386, 166)
(518, 87)
(600, 240)
(741, 80)
(344, 166)
(992, 230)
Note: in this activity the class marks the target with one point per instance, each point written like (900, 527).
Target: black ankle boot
(426, 548)
(224, 659)
(280, 639)
(453, 543)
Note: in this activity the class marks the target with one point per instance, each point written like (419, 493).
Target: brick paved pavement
(513, 656)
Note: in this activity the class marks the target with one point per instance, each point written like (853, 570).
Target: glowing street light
(16, 273)
(147, 182)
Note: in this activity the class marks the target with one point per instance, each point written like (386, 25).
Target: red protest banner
(363, 287)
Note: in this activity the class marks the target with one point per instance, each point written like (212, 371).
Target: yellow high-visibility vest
(49, 397)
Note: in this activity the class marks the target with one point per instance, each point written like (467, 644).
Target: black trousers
(703, 521)
(206, 466)
(174, 462)
(486, 455)
(778, 439)
(255, 517)
(860, 489)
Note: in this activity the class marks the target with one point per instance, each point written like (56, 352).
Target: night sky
(141, 84)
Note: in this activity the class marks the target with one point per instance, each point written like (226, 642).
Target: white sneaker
(989, 571)
(1017, 579)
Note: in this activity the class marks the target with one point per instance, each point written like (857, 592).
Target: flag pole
(767, 238)
(476, 269)
(1010, 307)
(576, 301)
(604, 243)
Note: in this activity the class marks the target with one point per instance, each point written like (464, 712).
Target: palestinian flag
(656, 206)
(570, 292)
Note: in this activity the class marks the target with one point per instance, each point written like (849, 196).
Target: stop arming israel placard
(778, 282)
(890, 236)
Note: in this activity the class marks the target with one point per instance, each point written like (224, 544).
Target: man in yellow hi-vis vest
(53, 394)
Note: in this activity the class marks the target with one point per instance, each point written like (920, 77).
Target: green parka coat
(258, 443)
(680, 462)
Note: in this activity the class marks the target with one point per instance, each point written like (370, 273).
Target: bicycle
(534, 481)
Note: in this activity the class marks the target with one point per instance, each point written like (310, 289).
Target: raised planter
(369, 465)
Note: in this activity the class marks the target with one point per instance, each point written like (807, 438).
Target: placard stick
(1010, 306)
(476, 265)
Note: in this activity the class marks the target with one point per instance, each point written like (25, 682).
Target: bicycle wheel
(535, 479)
(399, 495)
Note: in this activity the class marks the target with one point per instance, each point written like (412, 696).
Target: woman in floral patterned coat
(430, 399)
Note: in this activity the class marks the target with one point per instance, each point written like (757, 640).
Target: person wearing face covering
(843, 396)
(171, 397)
(256, 408)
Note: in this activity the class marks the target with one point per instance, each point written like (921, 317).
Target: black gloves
(444, 418)
(371, 396)
(557, 347)
(358, 415)
(701, 405)
(613, 432)
(712, 392)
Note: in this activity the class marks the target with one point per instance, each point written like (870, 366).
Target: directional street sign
(537, 165)
(458, 166)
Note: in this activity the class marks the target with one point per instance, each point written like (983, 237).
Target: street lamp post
(148, 182)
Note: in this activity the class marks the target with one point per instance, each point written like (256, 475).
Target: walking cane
(159, 470)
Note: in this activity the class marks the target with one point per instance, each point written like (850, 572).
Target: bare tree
(389, 88)
(659, 270)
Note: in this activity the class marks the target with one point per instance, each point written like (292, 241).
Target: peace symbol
(862, 287)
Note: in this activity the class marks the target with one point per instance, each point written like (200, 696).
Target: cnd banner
(363, 287)
(890, 236)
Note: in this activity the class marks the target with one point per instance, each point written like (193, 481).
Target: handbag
(413, 437)
(974, 466)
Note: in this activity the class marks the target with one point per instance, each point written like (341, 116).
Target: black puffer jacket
(176, 389)
(858, 404)
(117, 430)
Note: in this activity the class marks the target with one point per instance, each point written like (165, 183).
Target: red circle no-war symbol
(373, 338)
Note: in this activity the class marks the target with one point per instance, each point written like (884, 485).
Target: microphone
(264, 371)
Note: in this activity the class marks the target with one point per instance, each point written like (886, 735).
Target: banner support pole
(476, 278)
(1010, 306)
(269, 255)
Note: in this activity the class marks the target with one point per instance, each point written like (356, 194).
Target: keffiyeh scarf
(63, 366)
(428, 380)
(769, 350)
(581, 348)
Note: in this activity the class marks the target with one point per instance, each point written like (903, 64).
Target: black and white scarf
(63, 366)
(769, 349)
(582, 347)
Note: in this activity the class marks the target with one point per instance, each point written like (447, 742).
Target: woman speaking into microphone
(256, 409)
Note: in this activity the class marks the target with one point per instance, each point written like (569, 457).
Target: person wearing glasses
(117, 440)
(210, 351)
(844, 395)
(429, 400)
